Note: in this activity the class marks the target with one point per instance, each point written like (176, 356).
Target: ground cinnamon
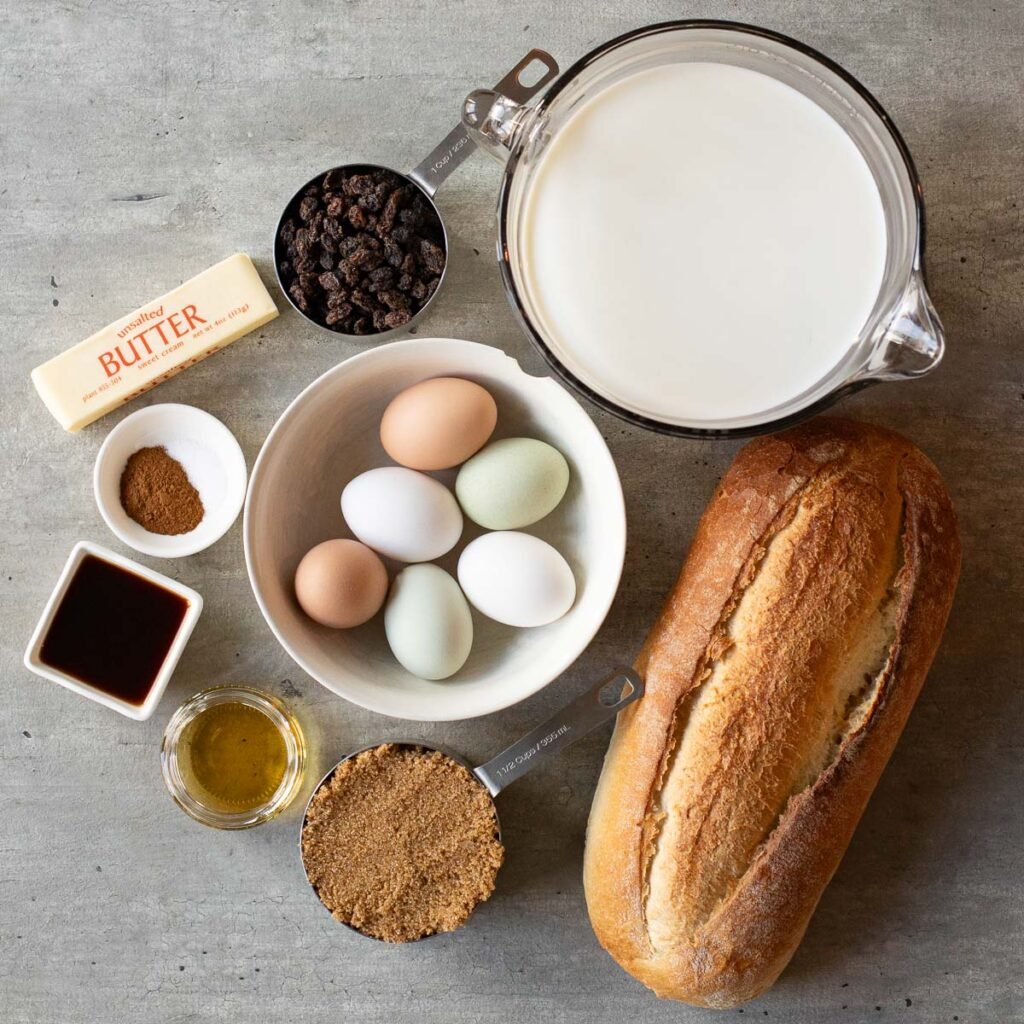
(157, 493)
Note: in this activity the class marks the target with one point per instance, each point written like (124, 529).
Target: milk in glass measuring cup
(710, 229)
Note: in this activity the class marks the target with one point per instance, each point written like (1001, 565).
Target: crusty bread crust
(779, 677)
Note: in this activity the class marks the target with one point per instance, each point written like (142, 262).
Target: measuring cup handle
(460, 142)
(583, 715)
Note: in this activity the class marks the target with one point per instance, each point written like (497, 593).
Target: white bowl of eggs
(431, 532)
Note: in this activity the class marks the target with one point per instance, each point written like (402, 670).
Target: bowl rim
(185, 544)
(614, 542)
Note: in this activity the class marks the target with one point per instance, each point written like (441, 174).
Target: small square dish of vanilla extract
(113, 630)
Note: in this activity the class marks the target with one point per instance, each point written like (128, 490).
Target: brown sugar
(401, 842)
(157, 493)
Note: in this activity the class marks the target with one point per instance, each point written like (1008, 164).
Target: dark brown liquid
(113, 629)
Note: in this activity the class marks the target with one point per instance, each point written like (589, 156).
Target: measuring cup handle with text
(460, 142)
(583, 715)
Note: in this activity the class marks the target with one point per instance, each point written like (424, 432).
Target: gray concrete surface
(141, 142)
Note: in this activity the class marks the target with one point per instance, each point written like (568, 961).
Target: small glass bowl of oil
(233, 757)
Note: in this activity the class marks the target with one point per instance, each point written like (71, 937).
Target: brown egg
(438, 423)
(341, 583)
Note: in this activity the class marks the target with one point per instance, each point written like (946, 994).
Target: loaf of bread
(778, 679)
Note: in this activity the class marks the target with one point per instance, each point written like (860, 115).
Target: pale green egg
(512, 483)
(427, 622)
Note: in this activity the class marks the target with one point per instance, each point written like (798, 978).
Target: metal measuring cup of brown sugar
(591, 709)
(341, 260)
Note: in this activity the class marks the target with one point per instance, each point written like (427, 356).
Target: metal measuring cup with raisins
(361, 249)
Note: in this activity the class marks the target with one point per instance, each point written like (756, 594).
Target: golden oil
(233, 757)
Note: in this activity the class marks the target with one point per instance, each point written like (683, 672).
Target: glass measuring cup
(521, 83)
(596, 706)
(902, 337)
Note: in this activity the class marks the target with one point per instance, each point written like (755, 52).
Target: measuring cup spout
(914, 341)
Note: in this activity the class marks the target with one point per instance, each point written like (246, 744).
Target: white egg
(516, 578)
(403, 514)
(428, 623)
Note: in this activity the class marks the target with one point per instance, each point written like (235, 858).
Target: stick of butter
(154, 343)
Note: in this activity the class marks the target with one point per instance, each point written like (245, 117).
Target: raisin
(361, 300)
(357, 217)
(381, 277)
(398, 318)
(393, 252)
(329, 282)
(348, 245)
(357, 184)
(390, 211)
(394, 299)
(333, 179)
(432, 256)
(349, 271)
(359, 257)
(370, 202)
(339, 314)
(374, 259)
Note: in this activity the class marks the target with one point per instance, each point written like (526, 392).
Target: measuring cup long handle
(583, 715)
(459, 144)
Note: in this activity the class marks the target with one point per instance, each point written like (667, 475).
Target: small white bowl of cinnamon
(170, 480)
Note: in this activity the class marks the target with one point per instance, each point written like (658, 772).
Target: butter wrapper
(154, 342)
